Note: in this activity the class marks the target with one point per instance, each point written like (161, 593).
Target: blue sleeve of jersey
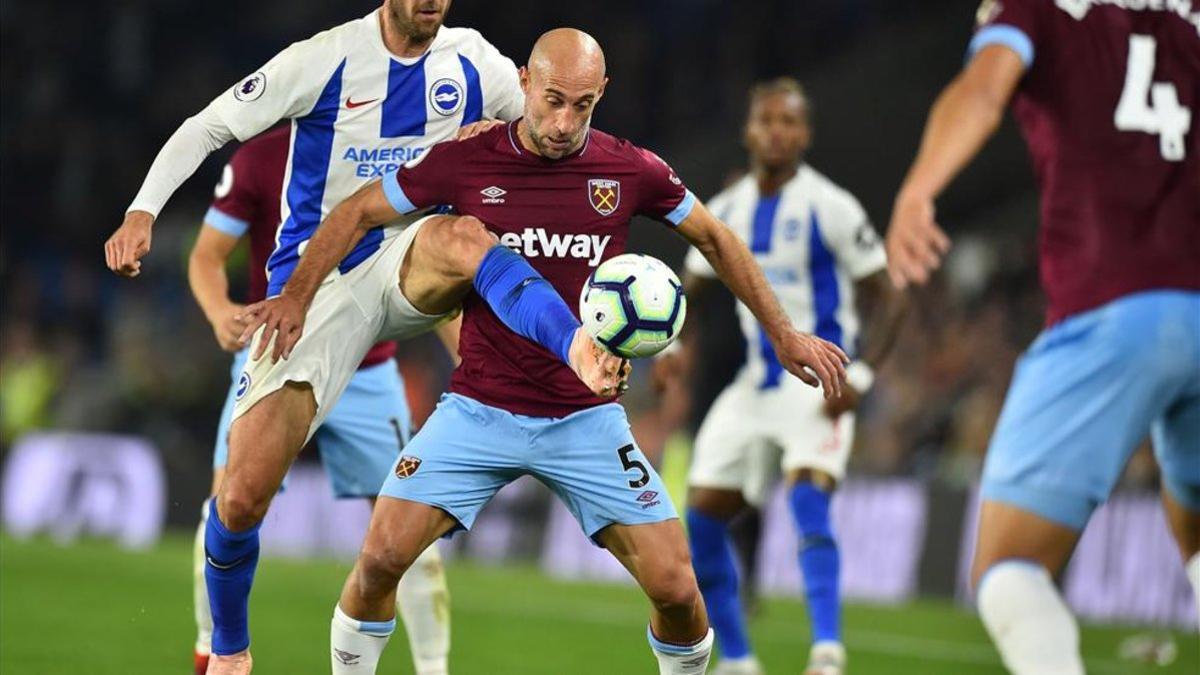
(223, 222)
(1003, 34)
(676, 216)
(395, 194)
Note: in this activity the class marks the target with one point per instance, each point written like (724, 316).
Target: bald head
(568, 52)
(562, 83)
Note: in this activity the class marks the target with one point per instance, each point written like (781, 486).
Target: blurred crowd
(92, 90)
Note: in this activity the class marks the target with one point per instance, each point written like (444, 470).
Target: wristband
(860, 376)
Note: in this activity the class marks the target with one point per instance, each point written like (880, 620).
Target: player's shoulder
(622, 150)
(467, 42)
(822, 189)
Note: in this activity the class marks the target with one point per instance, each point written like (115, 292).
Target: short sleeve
(428, 180)
(288, 86)
(235, 203)
(661, 195)
(1010, 23)
(847, 230)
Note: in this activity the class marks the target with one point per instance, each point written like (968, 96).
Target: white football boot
(826, 658)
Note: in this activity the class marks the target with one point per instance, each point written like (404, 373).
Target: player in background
(563, 194)
(363, 435)
(363, 98)
(820, 254)
(1106, 98)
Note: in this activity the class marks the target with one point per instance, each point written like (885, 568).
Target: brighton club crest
(407, 466)
(604, 195)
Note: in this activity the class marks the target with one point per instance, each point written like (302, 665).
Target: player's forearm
(736, 267)
(209, 282)
(334, 239)
(960, 122)
(885, 309)
(178, 159)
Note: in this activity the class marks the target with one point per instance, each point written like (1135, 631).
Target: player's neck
(772, 179)
(398, 43)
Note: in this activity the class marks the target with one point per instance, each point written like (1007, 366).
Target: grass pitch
(92, 608)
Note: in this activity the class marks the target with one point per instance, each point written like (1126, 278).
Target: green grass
(92, 608)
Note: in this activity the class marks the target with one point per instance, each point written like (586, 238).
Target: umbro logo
(346, 658)
(493, 195)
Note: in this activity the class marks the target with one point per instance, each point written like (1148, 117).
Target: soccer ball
(633, 305)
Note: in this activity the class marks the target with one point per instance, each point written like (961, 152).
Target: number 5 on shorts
(623, 453)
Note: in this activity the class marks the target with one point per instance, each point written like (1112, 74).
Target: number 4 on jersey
(1161, 114)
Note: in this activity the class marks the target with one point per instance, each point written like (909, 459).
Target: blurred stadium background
(110, 389)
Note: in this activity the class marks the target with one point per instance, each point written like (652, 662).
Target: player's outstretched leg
(423, 602)
(262, 444)
(656, 554)
(820, 565)
(1016, 555)
(708, 514)
(365, 615)
(452, 254)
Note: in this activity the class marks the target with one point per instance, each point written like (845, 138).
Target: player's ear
(603, 85)
(523, 76)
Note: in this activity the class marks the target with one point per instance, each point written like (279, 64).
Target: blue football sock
(525, 301)
(230, 561)
(717, 577)
(819, 560)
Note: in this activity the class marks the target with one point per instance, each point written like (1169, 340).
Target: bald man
(562, 195)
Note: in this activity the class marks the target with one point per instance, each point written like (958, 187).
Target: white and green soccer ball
(633, 305)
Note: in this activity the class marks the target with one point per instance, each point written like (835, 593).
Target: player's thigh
(263, 442)
(722, 454)
(339, 329)
(656, 555)
(1010, 532)
(592, 462)
(461, 457)
(1082, 398)
(363, 435)
(812, 442)
(438, 268)
(400, 531)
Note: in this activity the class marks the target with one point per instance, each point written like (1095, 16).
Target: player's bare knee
(381, 564)
(673, 589)
(241, 507)
(462, 243)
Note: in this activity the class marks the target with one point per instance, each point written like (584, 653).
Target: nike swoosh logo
(219, 566)
(351, 105)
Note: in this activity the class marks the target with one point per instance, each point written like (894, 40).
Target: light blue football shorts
(1085, 395)
(359, 440)
(467, 451)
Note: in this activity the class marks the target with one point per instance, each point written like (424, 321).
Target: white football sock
(1193, 575)
(355, 646)
(424, 603)
(681, 659)
(1028, 620)
(200, 608)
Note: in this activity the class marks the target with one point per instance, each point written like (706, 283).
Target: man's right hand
(124, 250)
(227, 325)
(282, 318)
